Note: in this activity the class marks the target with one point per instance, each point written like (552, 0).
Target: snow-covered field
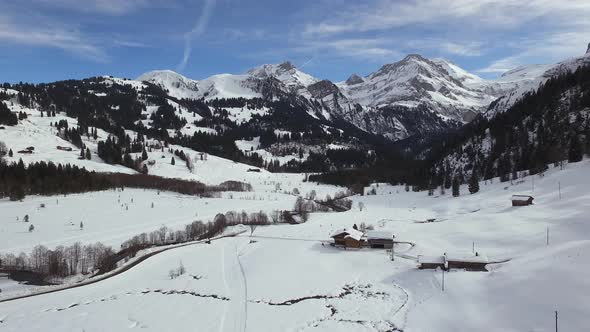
(286, 280)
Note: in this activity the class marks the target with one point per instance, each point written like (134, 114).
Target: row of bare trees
(62, 261)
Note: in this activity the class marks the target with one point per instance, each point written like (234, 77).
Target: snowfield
(287, 277)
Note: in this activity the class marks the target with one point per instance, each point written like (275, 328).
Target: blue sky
(48, 40)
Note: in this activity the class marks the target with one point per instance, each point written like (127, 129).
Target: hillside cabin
(522, 200)
(30, 148)
(256, 170)
(380, 239)
(64, 148)
(469, 262)
(25, 151)
(151, 162)
(348, 238)
(432, 262)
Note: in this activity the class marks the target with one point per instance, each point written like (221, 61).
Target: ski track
(236, 308)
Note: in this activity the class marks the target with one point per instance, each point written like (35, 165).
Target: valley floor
(287, 277)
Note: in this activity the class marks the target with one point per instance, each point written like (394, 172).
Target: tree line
(48, 178)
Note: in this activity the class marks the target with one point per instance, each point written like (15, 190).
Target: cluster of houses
(354, 238)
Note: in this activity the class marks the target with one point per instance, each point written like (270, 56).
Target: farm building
(469, 262)
(432, 262)
(380, 239)
(350, 238)
(522, 200)
(64, 148)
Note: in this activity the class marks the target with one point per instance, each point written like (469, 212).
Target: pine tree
(31, 228)
(88, 155)
(172, 161)
(456, 185)
(10, 154)
(575, 152)
(473, 183)
(144, 155)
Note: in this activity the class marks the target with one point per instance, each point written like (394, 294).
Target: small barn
(380, 239)
(469, 262)
(349, 238)
(522, 200)
(432, 262)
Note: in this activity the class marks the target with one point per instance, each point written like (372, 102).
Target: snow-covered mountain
(415, 81)
(415, 95)
(520, 81)
(263, 81)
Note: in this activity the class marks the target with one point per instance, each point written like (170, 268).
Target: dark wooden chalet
(522, 200)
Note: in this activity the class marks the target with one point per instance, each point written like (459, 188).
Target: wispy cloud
(43, 35)
(107, 7)
(516, 32)
(552, 47)
(130, 44)
(196, 31)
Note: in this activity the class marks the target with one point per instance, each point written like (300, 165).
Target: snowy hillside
(283, 277)
(520, 81)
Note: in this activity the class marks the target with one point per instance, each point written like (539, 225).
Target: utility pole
(533, 180)
(559, 184)
(443, 280)
(555, 320)
(473, 247)
(547, 235)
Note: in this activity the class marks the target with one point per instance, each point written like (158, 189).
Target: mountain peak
(286, 66)
(414, 56)
(354, 79)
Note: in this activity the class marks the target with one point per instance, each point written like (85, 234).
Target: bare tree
(252, 228)
(3, 149)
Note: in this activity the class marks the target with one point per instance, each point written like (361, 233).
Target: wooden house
(432, 262)
(469, 262)
(349, 238)
(380, 239)
(522, 200)
(64, 148)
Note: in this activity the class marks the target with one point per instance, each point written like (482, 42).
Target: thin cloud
(106, 7)
(196, 31)
(55, 37)
(130, 44)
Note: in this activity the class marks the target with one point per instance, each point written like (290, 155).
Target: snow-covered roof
(355, 235)
(466, 257)
(431, 259)
(380, 235)
(521, 198)
(352, 232)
